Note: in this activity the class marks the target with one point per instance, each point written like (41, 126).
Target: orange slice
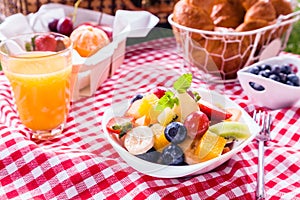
(210, 146)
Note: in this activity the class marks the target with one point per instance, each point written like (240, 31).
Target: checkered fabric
(81, 164)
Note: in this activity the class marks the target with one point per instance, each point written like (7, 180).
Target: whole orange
(87, 40)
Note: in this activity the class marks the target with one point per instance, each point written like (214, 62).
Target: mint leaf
(183, 83)
(197, 96)
(168, 100)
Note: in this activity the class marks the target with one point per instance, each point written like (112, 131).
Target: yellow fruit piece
(153, 115)
(148, 103)
(166, 116)
(210, 146)
(160, 141)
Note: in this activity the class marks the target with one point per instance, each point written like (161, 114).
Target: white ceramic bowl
(275, 95)
(163, 171)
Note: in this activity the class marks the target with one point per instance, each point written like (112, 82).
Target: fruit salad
(175, 126)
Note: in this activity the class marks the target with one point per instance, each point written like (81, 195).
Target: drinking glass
(39, 67)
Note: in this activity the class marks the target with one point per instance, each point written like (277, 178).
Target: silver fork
(264, 120)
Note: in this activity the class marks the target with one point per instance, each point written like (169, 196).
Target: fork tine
(268, 126)
(264, 122)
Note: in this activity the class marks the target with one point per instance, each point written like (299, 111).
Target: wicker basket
(220, 54)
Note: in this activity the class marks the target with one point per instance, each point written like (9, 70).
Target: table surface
(81, 164)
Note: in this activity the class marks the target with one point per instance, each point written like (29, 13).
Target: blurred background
(160, 8)
(293, 45)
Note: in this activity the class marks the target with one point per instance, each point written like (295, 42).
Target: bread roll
(206, 5)
(188, 15)
(261, 10)
(229, 14)
(248, 3)
(282, 7)
(252, 25)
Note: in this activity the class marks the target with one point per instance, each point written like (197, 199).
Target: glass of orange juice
(38, 67)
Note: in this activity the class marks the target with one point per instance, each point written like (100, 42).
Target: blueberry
(172, 155)
(286, 69)
(265, 67)
(256, 86)
(151, 155)
(137, 97)
(293, 78)
(265, 73)
(254, 70)
(290, 83)
(175, 132)
(282, 77)
(275, 77)
(276, 69)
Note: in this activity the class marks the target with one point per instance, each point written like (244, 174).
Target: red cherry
(65, 26)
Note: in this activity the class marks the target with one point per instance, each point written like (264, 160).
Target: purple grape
(52, 25)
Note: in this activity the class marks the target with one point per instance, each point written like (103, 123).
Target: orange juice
(41, 88)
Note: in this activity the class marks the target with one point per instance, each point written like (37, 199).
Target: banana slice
(139, 140)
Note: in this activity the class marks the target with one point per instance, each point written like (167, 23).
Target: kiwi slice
(231, 129)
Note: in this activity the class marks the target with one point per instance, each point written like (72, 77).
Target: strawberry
(45, 43)
(159, 91)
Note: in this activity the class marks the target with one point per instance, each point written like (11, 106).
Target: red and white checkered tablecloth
(81, 164)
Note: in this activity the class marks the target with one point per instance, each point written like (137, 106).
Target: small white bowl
(164, 171)
(275, 95)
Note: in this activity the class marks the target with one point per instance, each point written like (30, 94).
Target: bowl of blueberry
(272, 83)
